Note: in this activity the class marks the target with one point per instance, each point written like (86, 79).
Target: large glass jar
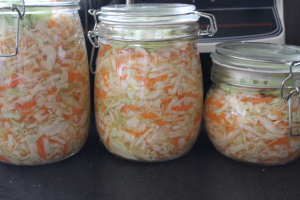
(148, 85)
(44, 82)
(252, 111)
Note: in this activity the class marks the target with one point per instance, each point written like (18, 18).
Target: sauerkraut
(148, 98)
(44, 90)
(252, 125)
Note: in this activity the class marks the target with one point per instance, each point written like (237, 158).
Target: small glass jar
(44, 87)
(148, 85)
(252, 111)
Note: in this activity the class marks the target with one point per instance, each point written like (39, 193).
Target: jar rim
(148, 14)
(257, 57)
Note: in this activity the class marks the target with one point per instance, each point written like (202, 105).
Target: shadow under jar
(148, 84)
(44, 82)
(252, 111)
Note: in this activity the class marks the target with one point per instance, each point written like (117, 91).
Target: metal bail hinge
(212, 28)
(93, 36)
(20, 16)
(288, 96)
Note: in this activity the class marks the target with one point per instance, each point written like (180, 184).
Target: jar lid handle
(288, 96)
(93, 36)
(20, 16)
(212, 28)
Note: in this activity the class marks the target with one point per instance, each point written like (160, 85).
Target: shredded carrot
(58, 97)
(40, 146)
(129, 107)
(175, 141)
(100, 94)
(294, 109)
(276, 112)
(161, 122)
(80, 55)
(103, 106)
(218, 103)
(190, 94)
(138, 133)
(209, 100)
(182, 108)
(27, 105)
(280, 141)
(107, 142)
(149, 115)
(150, 81)
(123, 77)
(75, 76)
(168, 87)
(257, 100)
(65, 149)
(54, 141)
(52, 90)
(217, 118)
(104, 76)
(77, 111)
(159, 78)
(165, 102)
(283, 124)
(67, 117)
(52, 23)
(4, 159)
(197, 119)
(12, 84)
(229, 129)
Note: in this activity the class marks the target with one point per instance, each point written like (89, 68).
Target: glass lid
(259, 57)
(148, 13)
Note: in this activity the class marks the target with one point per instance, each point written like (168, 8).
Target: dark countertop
(203, 173)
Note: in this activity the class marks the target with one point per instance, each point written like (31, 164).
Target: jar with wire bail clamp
(44, 87)
(252, 111)
(148, 84)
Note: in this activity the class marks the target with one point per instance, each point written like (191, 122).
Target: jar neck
(249, 79)
(149, 32)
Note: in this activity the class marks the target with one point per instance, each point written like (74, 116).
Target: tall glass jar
(148, 85)
(44, 87)
(252, 111)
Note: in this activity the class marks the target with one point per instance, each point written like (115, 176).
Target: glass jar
(148, 84)
(44, 87)
(252, 112)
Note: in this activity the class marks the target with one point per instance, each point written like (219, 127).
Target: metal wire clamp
(20, 16)
(288, 96)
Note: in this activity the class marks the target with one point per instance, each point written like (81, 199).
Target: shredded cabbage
(148, 99)
(44, 90)
(252, 125)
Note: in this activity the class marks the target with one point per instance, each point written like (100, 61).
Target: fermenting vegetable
(252, 125)
(148, 98)
(44, 90)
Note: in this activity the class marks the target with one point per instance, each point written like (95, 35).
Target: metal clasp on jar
(212, 28)
(93, 36)
(288, 96)
(20, 16)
